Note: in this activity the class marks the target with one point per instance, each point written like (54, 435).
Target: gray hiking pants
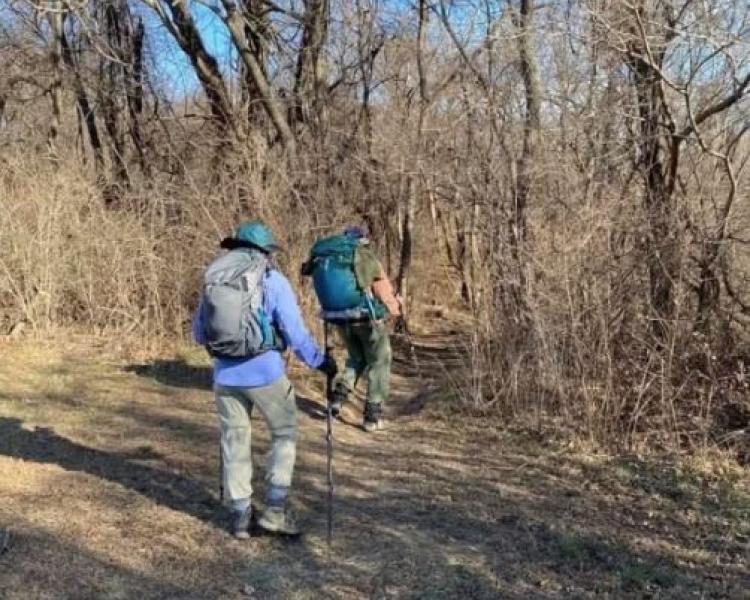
(277, 404)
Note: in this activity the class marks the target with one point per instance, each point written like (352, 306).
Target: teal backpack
(341, 297)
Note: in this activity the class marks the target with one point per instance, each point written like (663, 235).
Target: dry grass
(108, 469)
(586, 360)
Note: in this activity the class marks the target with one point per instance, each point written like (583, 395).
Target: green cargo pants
(369, 351)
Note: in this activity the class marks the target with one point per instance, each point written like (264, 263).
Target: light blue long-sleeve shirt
(280, 303)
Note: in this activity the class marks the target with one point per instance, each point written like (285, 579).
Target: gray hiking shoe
(279, 519)
(241, 523)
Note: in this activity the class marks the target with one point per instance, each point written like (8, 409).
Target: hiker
(247, 316)
(357, 297)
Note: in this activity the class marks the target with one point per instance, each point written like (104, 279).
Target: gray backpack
(235, 324)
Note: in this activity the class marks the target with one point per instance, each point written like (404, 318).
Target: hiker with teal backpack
(357, 297)
(247, 316)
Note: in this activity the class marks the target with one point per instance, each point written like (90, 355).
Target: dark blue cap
(356, 231)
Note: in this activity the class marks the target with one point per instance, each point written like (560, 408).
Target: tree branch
(707, 113)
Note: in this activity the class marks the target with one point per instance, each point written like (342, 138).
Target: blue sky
(170, 61)
(175, 70)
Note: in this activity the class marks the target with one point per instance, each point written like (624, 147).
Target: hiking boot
(372, 419)
(281, 520)
(241, 523)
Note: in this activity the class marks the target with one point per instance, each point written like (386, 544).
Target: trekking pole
(329, 440)
(413, 351)
(221, 474)
(410, 342)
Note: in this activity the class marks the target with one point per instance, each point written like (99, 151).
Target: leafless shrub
(566, 177)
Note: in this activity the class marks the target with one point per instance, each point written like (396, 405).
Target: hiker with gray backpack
(357, 297)
(247, 316)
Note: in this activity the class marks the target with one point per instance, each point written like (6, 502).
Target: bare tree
(239, 29)
(178, 19)
(666, 118)
(567, 175)
(523, 20)
(309, 84)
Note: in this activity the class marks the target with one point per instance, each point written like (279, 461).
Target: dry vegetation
(570, 177)
(558, 188)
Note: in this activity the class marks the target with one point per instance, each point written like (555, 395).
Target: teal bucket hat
(258, 234)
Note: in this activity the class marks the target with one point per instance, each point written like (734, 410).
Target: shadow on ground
(25, 574)
(129, 469)
(311, 408)
(427, 511)
(420, 526)
(424, 529)
(175, 373)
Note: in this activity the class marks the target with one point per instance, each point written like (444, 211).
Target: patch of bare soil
(109, 490)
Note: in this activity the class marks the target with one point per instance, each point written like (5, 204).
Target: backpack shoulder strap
(366, 266)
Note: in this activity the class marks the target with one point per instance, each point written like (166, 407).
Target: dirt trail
(108, 484)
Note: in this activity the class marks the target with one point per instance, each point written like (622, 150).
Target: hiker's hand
(328, 366)
(399, 325)
(401, 307)
(306, 269)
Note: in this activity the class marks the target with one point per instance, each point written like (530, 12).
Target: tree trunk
(658, 155)
(256, 30)
(134, 82)
(662, 256)
(114, 87)
(56, 24)
(524, 168)
(407, 230)
(256, 71)
(183, 28)
(309, 84)
(85, 109)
